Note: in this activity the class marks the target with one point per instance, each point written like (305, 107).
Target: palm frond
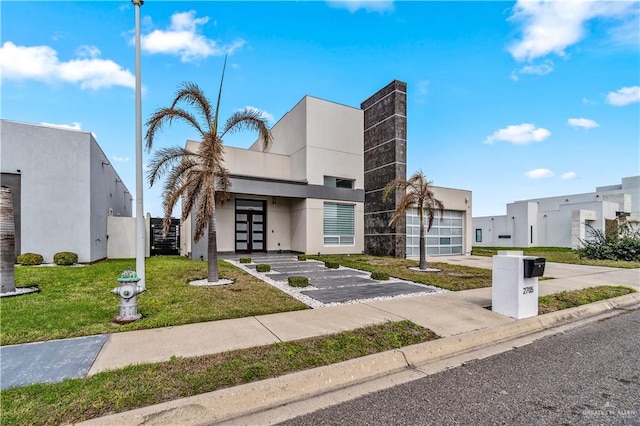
(213, 125)
(249, 119)
(394, 185)
(402, 206)
(164, 159)
(164, 116)
(192, 94)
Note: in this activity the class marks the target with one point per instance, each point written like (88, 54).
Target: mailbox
(533, 266)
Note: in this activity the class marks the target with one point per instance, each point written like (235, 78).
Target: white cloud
(119, 159)
(519, 134)
(624, 96)
(73, 126)
(366, 5)
(539, 174)
(266, 115)
(183, 38)
(587, 101)
(540, 69)
(552, 26)
(41, 63)
(423, 87)
(585, 123)
(86, 51)
(569, 175)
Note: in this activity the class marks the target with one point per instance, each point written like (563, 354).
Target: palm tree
(416, 192)
(198, 178)
(7, 242)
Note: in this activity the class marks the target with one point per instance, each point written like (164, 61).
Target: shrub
(298, 281)
(380, 276)
(65, 258)
(302, 257)
(245, 260)
(621, 243)
(263, 267)
(29, 259)
(332, 265)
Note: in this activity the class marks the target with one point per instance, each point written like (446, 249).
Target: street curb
(229, 403)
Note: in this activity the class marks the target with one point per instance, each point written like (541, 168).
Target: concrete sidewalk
(459, 317)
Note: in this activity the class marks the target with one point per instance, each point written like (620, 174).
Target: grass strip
(569, 299)
(75, 400)
(557, 254)
(450, 277)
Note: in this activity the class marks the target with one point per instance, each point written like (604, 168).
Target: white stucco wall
(335, 142)
(121, 232)
(299, 225)
(257, 163)
(63, 206)
(109, 196)
(289, 139)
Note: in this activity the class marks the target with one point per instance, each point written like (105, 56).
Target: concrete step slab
(366, 291)
(48, 362)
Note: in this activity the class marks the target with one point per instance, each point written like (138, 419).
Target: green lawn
(556, 254)
(77, 301)
(451, 277)
(137, 386)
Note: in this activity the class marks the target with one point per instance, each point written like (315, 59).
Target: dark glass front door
(250, 226)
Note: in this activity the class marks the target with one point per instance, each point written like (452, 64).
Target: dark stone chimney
(385, 159)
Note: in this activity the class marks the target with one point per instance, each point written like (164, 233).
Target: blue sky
(510, 100)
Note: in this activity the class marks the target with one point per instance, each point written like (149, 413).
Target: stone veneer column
(385, 159)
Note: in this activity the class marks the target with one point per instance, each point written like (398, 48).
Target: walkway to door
(329, 286)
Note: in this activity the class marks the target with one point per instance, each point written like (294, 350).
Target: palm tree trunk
(212, 250)
(423, 250)
(7, 242)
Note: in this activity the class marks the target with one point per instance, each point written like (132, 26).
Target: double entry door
(251, 222)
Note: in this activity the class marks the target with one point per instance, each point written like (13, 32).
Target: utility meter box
(514, 290)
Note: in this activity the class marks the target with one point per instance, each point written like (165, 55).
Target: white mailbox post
(515, 284)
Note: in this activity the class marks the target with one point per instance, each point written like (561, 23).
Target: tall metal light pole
(140, 226)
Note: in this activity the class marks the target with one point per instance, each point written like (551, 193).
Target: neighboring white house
(317, 189)
(64, 189)
(560, 221)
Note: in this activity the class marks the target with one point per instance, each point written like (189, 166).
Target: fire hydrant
(128, 291)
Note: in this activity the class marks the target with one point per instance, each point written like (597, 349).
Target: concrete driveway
(565, 276)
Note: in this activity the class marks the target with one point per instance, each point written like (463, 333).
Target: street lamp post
(140, 228)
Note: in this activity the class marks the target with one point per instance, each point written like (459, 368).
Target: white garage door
(445, 236)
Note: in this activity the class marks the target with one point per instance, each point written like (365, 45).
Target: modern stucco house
(560, 221)
(64, 189)
(318, 188)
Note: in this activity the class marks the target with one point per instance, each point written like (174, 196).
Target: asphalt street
(587, 376)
